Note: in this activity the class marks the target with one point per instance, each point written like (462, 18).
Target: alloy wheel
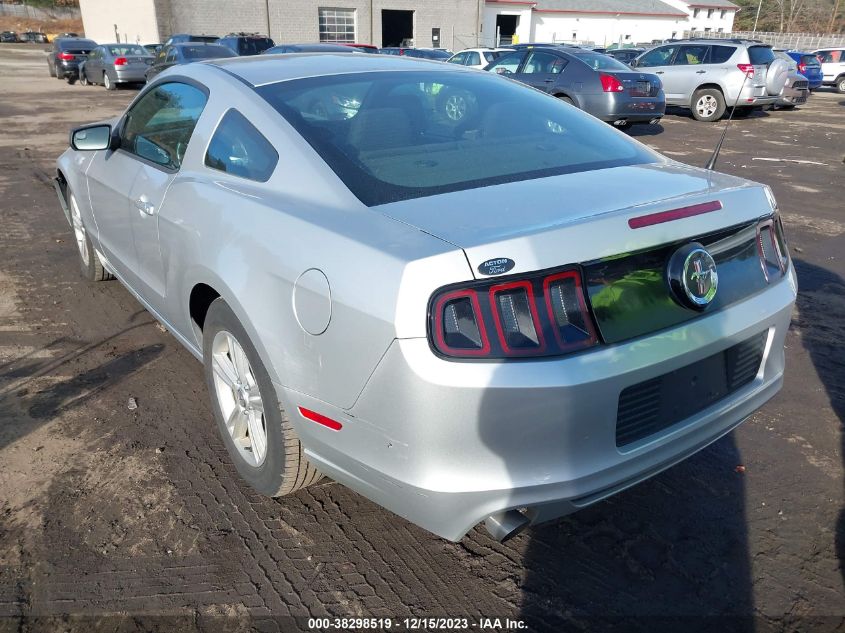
(239, 398)
(707, 106)
(456, 107)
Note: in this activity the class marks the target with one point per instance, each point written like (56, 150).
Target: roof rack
(732, 40)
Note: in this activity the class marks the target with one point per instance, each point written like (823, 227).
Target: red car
(367, 48)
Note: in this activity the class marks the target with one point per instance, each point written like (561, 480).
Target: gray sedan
(115, 64)
(503, 319)
(596, 83)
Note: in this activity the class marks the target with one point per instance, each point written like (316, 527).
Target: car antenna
(712, 162)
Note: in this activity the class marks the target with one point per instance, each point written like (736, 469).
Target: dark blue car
(809, 66)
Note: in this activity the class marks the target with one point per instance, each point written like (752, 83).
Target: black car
(626, 55)
(67, 53)
(180, 38)
(8, 37)
(33, 37)
(244, 44)
(185, 53)
(309, 48)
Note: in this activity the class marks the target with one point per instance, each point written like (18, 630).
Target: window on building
(695, 12)
(722, 14)
(707, 29)
(337, 25)
(710, 13)
(721, 30)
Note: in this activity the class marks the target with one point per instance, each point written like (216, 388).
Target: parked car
(833, 67)
(310, 48)
(458, 339)
(66, 54)
(522, 45)
(153, 49)
(8, 37)
(625, 55)
(33, 37)
(115, 64)
(809, 66)
(185, 53)
(594, 82)
(478, 57)
(796, 90)
(181, 38)
(437, 54)
(708, 76)
(365, 48)
(245, 44)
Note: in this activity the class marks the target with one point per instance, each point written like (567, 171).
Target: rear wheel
(255, 428)
(566, 99)
(108, 83)
(840, 84)
(708, 104)
(90, 265)
(52, 69)
(83, 79)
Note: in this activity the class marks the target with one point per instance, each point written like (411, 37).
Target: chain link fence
(797, 41)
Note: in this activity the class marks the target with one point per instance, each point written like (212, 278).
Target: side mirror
(91, 138)
(501, 70)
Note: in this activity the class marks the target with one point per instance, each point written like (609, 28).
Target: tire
(840, 85)
(283, 468)
(51, 69)
(90, 266)
(566, 99)
(108, 83)
(708, 105)
(71, 79)
(83, 79)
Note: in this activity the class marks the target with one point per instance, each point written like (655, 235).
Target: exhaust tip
(503, 526)
(619, 122)
(654, 121)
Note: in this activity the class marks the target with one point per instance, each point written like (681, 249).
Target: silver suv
(708, 76)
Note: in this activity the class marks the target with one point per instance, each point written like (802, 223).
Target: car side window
(171, 56)
(720, 54)
(660, 56)
(544, 63)
(238, 148)
(507, 64)
(473, 59)
(159, 126)
(830, 57)
(691, 55)
(460, 58)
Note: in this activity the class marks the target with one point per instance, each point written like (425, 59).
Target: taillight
(771, 246)
(65, 56)
(120, 61)
(802, 68)
(748, 69)
(544, 314)
(609, 83)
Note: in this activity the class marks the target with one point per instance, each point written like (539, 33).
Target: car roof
(266, 69)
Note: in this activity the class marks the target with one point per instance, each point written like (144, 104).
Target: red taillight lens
(120, 61)
(802, 68)
(748, 69)
(539, 315)
(609, 83)
(65, 56)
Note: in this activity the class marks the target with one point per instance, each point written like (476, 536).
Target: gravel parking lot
(138, 514)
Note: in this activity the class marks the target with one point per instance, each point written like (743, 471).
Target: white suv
(709, 76)
(833, 67)
(478, 57)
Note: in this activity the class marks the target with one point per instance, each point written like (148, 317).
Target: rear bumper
(131, 75)
(620, 106)
(794, 96)
(446, 444)
(67, 68)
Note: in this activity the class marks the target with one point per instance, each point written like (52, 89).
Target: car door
(659, 61)
(459, 58)
(833, 64)
(473, 59)
(94, 65)
(688, 71)
(158, 138)
(541, 70)
(508, 65)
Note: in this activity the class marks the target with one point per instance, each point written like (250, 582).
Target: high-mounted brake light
(65, 56)
(609, 83)
(748, 69)
(120, 61)
(542, 314)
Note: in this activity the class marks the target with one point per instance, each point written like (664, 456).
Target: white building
(602, 22)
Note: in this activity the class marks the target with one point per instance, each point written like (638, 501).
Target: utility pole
(757, 17)
(833, 16)
(267, 4)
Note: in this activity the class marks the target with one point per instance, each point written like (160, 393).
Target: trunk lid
(579, 217)
(637, 84)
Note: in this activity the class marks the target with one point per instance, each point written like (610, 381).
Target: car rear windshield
(128, 50)
(77, 45)
(254, 45)
(760, 55)
(393, 136)
(599, 61)
(207, 52)
(810, 60)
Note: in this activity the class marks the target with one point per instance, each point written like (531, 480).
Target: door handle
(658, 72)
(144, 206)
(700, 72)
(548, 81)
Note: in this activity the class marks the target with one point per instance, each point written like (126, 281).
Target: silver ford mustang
(501, 319)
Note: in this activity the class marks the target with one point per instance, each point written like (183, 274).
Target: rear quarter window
(721, 54)
(760, 55)
(238, 148)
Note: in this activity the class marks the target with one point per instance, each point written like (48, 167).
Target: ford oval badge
(498, 266)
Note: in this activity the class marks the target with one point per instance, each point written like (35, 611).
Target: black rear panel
(630, 297)
(654, 405)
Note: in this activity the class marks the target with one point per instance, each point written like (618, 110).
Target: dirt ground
(138, 515)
